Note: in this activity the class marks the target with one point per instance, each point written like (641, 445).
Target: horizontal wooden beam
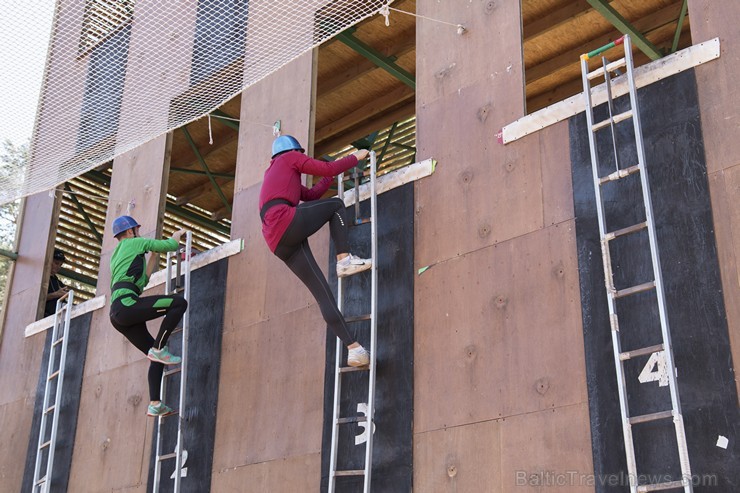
(553, 20)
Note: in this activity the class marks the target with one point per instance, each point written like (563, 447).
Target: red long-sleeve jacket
(283, 181)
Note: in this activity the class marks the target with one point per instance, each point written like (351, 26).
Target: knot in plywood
(500, 302)
(134, 400)
(489, 7)
(484, 230)
(444, 72)
(483, 112)
(559, 270)
(452, 470)
(466, 176)
(471, 352)
(542, 385)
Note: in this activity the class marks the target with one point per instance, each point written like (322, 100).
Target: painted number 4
(655, 370)
(183, 469)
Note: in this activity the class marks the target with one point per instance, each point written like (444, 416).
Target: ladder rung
(635, 289)
(661, 486)
(347, 369)
(173, 371)
(619, 174)
(363, 220)
(651, 417)
(45, 444)
(53, 375)
(176, 330)
(640, 352)
(58, 341)
(350, 472)
(167, 456)
(625, 231)
(50, 409)
(353, 419)
(358, 318)
(610, 67)
(41, 481)
(613, 120)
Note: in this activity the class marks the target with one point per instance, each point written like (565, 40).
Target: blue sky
(25, 26)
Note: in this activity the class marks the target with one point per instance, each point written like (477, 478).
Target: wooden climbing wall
(499, 386)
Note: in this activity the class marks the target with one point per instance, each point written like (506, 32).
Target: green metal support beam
(387, 141)
(198, 172)
(681, 17)
(76, 276)
(226, 119)
(638, 39)
(8, 254)
(377, 58)
(84, 214)
(205, 168)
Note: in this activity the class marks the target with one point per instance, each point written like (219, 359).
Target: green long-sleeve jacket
(128, 263)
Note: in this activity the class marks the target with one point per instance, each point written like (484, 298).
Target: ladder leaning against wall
(663, 350)
(52, 390)
(368, 421)
(179, 283)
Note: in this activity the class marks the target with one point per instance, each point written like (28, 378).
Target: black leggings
(293, 249)
(131, 322)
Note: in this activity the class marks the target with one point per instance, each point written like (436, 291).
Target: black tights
(293, 249)
(131, 322)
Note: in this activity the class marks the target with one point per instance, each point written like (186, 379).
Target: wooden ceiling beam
(404, 44)
(555, 19)
(365, 112)
(199, 189)
(659, 18)
(364, 128)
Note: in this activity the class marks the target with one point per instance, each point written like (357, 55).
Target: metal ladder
(665, 348)
(337, 420)
(179, 284)
(54, 373)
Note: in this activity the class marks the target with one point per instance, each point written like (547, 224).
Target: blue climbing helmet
(123, 223)
(285, 143)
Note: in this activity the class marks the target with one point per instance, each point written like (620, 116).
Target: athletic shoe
(352, 265)
(163, 356)
(160, 409)
(358, 356)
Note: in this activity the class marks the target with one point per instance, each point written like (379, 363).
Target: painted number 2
(183, 469)
(655, 370)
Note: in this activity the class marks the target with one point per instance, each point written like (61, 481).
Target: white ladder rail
(64, 305)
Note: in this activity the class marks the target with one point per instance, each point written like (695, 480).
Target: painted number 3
(655, 370)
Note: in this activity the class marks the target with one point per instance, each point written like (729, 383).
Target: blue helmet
(285, 143)
(123, 223)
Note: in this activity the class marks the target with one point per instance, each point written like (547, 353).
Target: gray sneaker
(352, 265)
(358, 356)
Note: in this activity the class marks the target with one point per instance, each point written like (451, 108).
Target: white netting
(121, 72)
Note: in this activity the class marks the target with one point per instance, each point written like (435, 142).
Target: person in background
(287, 224)
(56, 289)
(129, 311)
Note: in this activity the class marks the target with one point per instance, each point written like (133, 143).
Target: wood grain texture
(492, 329)
(297, 473)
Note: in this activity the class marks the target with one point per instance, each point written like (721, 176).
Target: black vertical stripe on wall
(696, 313)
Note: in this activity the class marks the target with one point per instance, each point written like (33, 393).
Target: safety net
(121, 72)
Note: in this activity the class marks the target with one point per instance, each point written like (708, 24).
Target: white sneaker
(358, 356)
(352, 265)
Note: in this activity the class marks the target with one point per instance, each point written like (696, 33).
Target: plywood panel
(114, 433)
(725, 188)
(271, 390)
(548, 450)
(460, 458)
(557, 188)
(492, 329)
(15, 425)
(719, 95)
(488, 52)
(297, 473)
(481, 192)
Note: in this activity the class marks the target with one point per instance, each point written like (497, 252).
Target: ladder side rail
(185, 267)
(662, 309)
(623, 404)
(168, 272)
(66, 307)
(337, 373)
(373, 322)
(610, 103)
